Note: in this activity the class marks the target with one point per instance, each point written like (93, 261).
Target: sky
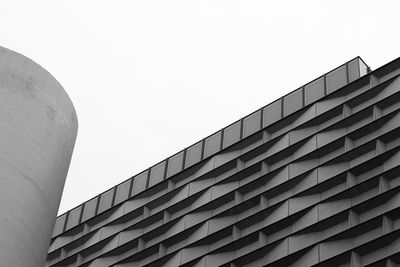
(149, 78)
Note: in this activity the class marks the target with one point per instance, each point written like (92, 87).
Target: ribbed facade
(312, 179)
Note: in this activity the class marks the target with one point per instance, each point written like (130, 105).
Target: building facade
(38, 127)
(312, 179)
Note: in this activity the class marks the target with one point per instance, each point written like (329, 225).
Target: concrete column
(38, 127)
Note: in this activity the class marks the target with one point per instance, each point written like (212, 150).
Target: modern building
(312, 179)
(38, 127)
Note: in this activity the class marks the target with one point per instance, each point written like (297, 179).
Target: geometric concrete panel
(336, 79)
(59, 226)
(74, 217)
(354, 69)
(317, 186)
(139, 182)
(314, 90)
(157, 173)
(232, 134)
(123, 191)
(251, 123)
(293, 102)
(106, 200)
(89, 209)
(193, 154)
(272, 113)
(175, 164)
(212, 144)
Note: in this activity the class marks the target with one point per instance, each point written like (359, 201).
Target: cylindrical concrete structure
(38, 127)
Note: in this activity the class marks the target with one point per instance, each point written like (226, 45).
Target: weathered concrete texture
(38, 127)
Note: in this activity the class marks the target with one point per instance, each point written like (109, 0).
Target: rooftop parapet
(169, 169)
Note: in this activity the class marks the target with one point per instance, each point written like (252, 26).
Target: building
(311, 179)
(38, 127)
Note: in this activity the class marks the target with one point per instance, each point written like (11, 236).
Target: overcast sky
(149, 78)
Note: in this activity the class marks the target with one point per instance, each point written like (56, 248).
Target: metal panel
(232, 134)
(336, 79)
(175, 164)
(140, 182)
(252, 123)
(122, 193)
(212, 144)
(74, 216)
(157, 173)
(354, 69)
(106, 200)
(193, 154)
(89, 209)
(272, 113)
(314, 90)
(293, 102)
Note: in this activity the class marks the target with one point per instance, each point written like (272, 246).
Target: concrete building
(312, 179)
(38, 127)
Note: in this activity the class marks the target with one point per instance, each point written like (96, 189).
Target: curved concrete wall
(38, 127)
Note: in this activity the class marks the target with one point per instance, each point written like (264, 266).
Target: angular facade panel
(212, 144)
(311, 179)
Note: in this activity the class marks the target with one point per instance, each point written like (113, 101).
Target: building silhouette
(311, 179)
(38, 127)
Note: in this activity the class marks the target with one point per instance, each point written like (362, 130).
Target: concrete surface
(38, 128)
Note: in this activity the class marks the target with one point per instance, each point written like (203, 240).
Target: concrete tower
(38, 128)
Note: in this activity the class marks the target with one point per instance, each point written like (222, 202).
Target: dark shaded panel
(252, 123)
(73, 217)
(175, 164)
(106, 200)
(336, 79)
(139, 182)
(272, 113)
(314, 90)
(232, 134)
(59, 226)
(157, 173)
(193, 154)
(293, 102)
(89, 209)
(212, 144)
(122, 193)
(353, 69)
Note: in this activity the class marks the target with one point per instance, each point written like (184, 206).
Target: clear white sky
(149, 78)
